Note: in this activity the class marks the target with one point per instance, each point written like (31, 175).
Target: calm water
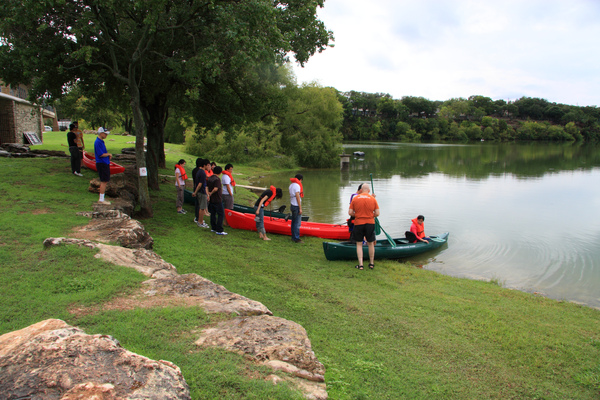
(526, 215)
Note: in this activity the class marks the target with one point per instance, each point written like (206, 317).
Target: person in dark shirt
(74, 151)
(201, 192)
(215, 201)
(259, 209)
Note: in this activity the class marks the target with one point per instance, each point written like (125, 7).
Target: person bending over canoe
(259, 209)
(364, 209)
(418, 229)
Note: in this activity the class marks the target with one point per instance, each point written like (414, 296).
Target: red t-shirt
(363, 205)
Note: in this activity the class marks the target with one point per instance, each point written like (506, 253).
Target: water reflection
(527, 215)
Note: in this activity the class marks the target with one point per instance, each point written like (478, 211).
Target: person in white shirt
(296, 194)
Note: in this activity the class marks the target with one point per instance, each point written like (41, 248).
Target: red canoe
(90, 162)
(280, 226)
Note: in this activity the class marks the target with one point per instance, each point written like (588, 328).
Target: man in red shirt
(364, 209)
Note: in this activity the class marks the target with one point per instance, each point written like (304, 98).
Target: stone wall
(27, 119)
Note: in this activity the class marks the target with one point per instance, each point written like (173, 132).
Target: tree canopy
(156, 51)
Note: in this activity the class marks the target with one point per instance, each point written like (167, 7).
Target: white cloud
(444, 49)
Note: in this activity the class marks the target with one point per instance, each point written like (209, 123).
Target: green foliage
(175, 131)
(310, 126)
(255, 144)
(379, 117)
(304, 132)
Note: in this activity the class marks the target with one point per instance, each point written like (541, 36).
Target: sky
(443, 49)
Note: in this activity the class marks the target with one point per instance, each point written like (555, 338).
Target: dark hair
(228, 166)
(199, 162)
(204, 162)
(71, 126)
(278, 193)
(421, 217)
(213, 164)
(217, 170)
(299, 177)
(182, 161)
(359, 187)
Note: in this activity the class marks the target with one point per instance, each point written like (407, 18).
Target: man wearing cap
(102, 162)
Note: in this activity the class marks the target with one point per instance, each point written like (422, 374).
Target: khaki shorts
(201, 200)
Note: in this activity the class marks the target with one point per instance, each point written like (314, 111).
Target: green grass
(395, 332)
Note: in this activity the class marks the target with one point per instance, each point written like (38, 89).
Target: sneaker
(212, 230)
(222, 233)
(104, 202)
(195, 220)
(204, 225)
(77, 173)
(180, 212)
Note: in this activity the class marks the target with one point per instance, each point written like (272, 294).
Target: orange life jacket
(274, 190)
(296, 180)
(181, 171)
(209, 173)
(230, 177)
(419, 228)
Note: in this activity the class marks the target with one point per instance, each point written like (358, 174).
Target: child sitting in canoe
(417, 231)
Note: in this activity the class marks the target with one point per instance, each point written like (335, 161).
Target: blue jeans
(296, 221)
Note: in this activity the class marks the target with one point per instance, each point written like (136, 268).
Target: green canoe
(383, 248)
(189, 199)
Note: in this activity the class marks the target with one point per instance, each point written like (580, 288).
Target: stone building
(18, 115)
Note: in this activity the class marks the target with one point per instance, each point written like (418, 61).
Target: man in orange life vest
(296, 194)
(364, 209)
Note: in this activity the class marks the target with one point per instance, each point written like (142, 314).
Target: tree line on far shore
(377, 116)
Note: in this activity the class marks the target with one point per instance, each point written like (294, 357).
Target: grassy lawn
(395, 332)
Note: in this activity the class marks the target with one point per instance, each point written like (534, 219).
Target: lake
(524, 215)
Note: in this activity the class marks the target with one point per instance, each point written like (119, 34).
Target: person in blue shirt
(102, 162)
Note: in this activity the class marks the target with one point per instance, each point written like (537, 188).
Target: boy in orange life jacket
(418, 228)
(364, 209)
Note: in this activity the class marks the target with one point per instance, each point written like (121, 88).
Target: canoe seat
(401, 241)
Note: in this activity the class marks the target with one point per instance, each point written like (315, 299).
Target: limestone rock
(145, 261)
(266, 339)
(116, 183)
(51, 360)
(211, 297)
(110, 225)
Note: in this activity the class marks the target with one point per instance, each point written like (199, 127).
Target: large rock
(145, 261)
(52, 360)
(267, 339)
(208, 295)
(113, 225)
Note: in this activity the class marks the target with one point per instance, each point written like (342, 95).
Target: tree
(310, 126)
(155, 51)
(419, 105)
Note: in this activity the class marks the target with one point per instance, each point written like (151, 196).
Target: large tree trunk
(138, 121)
(155, 126)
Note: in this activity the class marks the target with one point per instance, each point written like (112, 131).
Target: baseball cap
(102, 130)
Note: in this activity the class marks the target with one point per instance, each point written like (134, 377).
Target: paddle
(378, 228)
